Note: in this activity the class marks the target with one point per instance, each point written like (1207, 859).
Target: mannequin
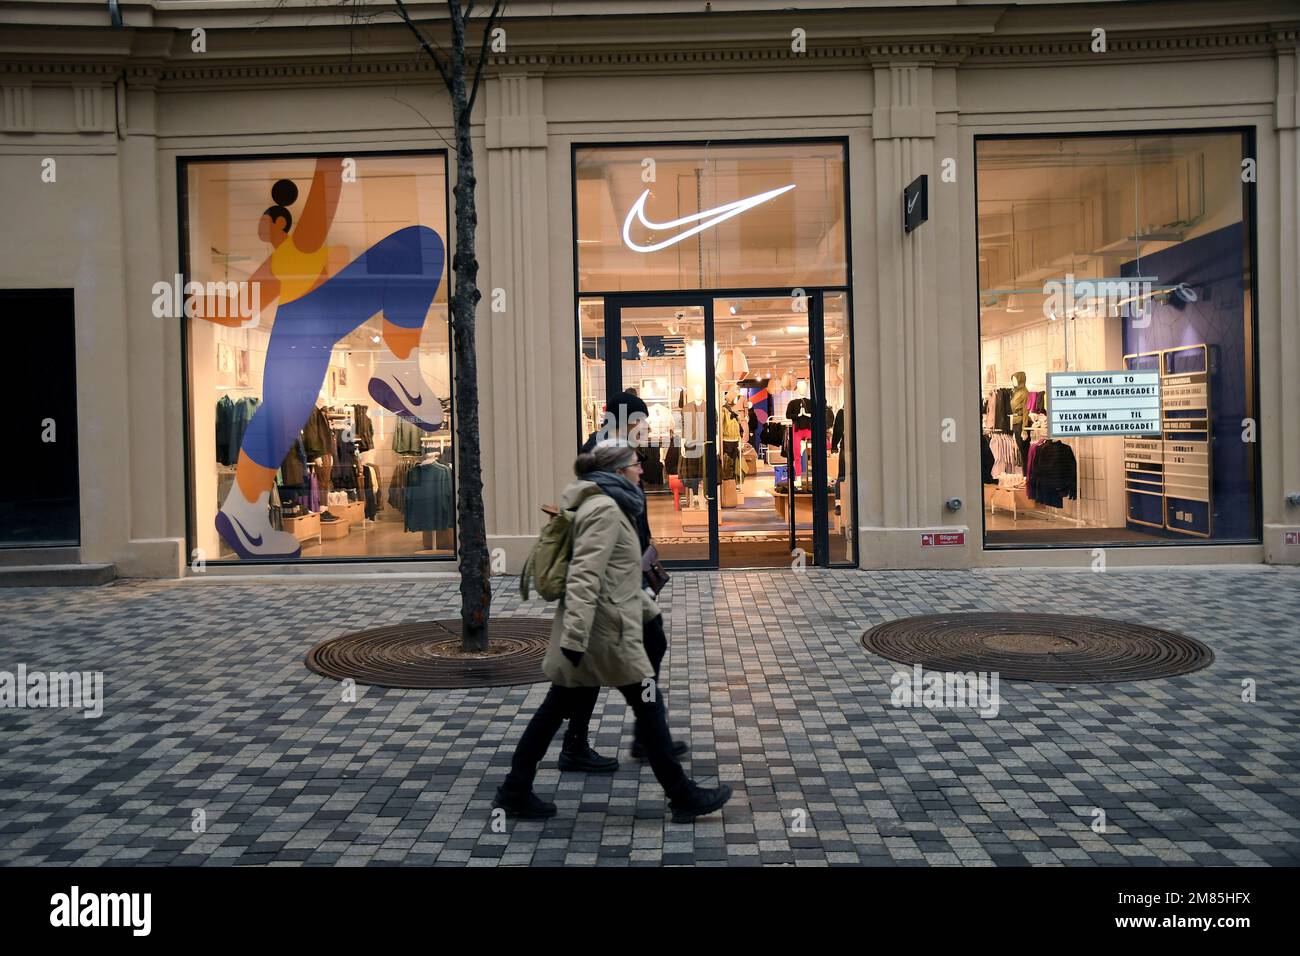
(731, 434)
(799, 411)
(691, 465)
(1019, 417)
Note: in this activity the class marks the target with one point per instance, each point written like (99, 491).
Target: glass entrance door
(737, 470)
(658, 348)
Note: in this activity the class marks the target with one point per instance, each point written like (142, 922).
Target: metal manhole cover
(417, 656)
(1045, 647)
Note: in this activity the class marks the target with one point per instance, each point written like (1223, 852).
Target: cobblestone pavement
(209, 708)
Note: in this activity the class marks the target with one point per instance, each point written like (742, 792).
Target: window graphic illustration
(312, 298)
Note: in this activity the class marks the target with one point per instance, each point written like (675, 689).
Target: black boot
(698, 802)
(527, 804)
(582, 758)
(680, 747)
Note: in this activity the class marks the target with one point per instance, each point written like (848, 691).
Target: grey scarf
(628, 496)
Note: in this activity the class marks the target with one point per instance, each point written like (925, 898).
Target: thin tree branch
(397, 99)
(424, 43)
(493, 17)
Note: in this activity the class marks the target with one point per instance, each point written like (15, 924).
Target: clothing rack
(1059, 514)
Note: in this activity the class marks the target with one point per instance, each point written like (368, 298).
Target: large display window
(712, 286)
(1117, 353)
(315, 303)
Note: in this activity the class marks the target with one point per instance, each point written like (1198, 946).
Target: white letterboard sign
(1104, 403)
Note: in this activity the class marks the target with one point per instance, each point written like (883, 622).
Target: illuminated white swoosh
(710, 217)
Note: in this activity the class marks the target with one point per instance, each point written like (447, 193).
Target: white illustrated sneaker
(246, 527)
(402, 389)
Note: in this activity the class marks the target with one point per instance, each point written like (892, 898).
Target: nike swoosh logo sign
(255, 542)
(411, 399)
(912, 202)
(706, 219)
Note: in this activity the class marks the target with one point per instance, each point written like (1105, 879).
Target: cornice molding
(258, 67)
(1164, 45)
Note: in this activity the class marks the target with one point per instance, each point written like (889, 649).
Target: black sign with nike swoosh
(916, 203)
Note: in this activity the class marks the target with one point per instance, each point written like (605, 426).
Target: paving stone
(208, 706)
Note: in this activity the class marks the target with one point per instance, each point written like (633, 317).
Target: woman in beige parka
(596, 637)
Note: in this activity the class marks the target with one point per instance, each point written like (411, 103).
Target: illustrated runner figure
(398, 277)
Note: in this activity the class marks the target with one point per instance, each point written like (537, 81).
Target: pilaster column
(519, 430)
(152, 460)
(1281, 437)
(919, 346)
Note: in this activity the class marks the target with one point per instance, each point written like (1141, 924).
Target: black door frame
(615, 302)
(614, 305)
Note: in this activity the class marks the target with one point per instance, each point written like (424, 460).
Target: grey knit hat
(612, 454)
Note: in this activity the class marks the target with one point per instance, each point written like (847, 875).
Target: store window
(1117, 356)
(315, 302)
(712, 284)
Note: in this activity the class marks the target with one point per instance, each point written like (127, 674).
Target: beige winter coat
(604, 607)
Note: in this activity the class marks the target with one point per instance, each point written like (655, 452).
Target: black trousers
(564, 702)
(656, 646)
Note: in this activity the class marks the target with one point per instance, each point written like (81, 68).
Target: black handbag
(652, 570)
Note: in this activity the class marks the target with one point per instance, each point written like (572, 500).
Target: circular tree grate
(425, 656)
(1043, 647)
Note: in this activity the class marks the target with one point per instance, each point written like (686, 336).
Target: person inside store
(625, 420)
(596, 637)
(316, 306)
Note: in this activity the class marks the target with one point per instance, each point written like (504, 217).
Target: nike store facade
(967, 285)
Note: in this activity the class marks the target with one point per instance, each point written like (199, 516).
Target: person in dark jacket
(625, 419)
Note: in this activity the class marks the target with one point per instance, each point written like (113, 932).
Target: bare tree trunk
(475, 583)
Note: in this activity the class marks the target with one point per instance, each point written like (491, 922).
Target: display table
(1008, 498)
(803, 504)
(354, 513)
(333, 530)
(304, 527)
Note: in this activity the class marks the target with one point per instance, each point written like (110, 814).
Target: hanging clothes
(691, 464)
(225, 411)
(406, 439)
(364, 430)
(344, 473)
(654, 468)
(232, 421)
(294, 470)
(1006, 454)
(430, 505)
(672, 458)
(1054, 475)
(1002, 410)
(374, 498)
(317, 436)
